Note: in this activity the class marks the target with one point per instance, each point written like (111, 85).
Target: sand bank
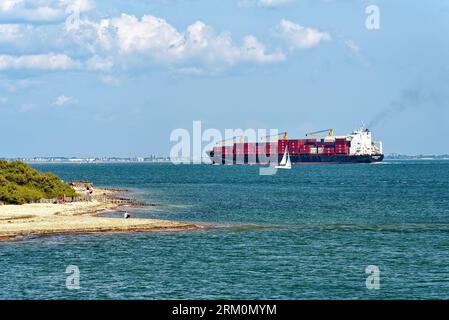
(78, 217)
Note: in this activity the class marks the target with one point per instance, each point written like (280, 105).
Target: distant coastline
(66, 160)
(395, 156)
(164, 159)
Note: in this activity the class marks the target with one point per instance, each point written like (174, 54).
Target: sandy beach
(77, 217)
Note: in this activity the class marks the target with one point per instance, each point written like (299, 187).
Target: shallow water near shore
(307, 233)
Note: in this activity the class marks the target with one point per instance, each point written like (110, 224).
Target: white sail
(284, 158)
(288, 165)
(285, 162)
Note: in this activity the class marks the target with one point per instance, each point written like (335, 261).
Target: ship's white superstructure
(363, 144)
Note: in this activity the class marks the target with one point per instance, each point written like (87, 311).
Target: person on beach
(126, 215)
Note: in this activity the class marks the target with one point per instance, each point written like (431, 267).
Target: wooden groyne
(125, 201)
(86, 193)
(89, 198)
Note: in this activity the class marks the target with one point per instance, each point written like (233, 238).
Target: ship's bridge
(363, 144)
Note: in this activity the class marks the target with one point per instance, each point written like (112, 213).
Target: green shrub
(19, 184)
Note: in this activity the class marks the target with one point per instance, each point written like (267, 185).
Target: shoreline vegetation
(20, 184)
(33, 203)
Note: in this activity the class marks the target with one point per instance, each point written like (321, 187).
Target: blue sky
(119, 81)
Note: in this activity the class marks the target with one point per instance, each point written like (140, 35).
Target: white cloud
(38, 62)
(63, 100)
(264, 3)
(126, 41)
(97, 63)
(16, 34)
(10, 32)
(110, 80)
(13, 85)
(299, 37)
(194, 71)
(354, 47)
(41, 10)
(78, 5)
(154, 38)
(8, 5)
(29, 38)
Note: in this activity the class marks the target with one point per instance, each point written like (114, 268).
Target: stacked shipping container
(341, 146)
(295, 147)
(309, 147)
(282, 144)
(329, 148)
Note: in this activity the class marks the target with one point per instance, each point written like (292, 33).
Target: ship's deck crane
(279, 136)
(230, 140)
(329, 133)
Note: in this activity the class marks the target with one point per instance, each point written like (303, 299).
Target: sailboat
(285, 162)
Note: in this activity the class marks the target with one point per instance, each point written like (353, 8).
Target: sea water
(306, 233)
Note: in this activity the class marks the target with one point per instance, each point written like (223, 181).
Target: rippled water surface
(307, 233)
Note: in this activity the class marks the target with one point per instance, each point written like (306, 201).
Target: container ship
(325, 147)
